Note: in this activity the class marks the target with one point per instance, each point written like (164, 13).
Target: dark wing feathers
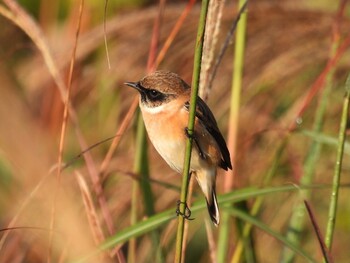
(204, 114)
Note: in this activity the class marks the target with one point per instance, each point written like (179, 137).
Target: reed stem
(192, 112)
(337, 170)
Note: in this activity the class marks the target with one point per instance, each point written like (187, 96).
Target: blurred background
(288, 44)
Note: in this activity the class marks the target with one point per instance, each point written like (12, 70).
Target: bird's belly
(172, 151)
(166, 132)
(168, 137)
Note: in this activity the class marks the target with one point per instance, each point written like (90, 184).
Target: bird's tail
(206, 180)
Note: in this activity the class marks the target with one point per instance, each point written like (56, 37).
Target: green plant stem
(145, 226)
(259, 200)
(133, 221)
(143, 185)
(139, 165)
(142, 169)
(193, 101)
(337, 170)
(238, 64)
(252, 220)
(297, 221)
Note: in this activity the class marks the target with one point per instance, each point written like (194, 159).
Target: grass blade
(159, 219)
(297, 221)
(254, 221)
(337, 170)
(259, 201)
(240, 22)
(192, 111)
(324, 249)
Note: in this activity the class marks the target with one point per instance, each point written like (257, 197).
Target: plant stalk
(237, 79)
(193, 101)
(337, 170)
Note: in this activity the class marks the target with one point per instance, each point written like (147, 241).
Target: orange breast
(166, 130)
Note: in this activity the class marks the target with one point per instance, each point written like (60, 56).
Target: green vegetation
(288, 117)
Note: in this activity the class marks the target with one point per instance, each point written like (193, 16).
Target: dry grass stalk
(270, 71)
(64, 127)
(174, 32)
(211, 240)
(19, 211)
(212, 30)
(29, 26)
(94, 223)
(116, 140)
(319, 82)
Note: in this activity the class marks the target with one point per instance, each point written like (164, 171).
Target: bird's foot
(188, 135)
(187, 212)
(193, 137)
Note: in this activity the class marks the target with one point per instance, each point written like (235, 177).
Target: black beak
(138, 87)
(134, 85)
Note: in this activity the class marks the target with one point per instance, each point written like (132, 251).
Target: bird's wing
(207, 119)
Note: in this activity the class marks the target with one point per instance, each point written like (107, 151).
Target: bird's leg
(187, 213)
(201, 153)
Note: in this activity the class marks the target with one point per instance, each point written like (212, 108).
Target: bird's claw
(187, 212)
(193, 137)
(187, 133)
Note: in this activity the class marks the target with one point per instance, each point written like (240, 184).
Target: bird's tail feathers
(206, 180)
(213, 208)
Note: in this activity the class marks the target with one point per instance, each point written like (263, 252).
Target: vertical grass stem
(193, 101)
(238, 64)
(337, 170)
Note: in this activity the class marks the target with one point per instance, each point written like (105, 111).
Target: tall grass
(118, 203)
(297, 220)
(236, 90)
(192, 113)
(333, 204)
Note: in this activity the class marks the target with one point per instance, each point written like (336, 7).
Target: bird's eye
(154, 94)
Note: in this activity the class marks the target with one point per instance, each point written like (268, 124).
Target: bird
(164, 102)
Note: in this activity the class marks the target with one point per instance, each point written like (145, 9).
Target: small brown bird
(164, 103)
